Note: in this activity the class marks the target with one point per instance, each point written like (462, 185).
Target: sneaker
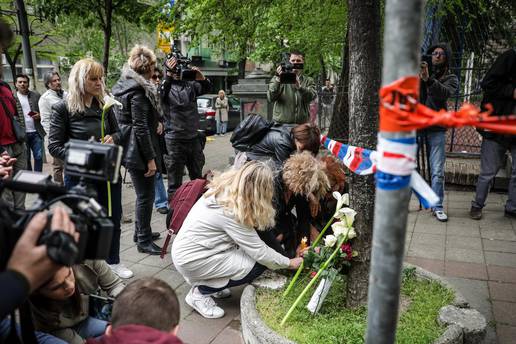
(223, 294)
(475, 213)
(121, 271)
(441, 215)
(163, 210)
(203, 304)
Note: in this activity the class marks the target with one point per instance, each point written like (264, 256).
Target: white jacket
(45, 103)
(212, 248)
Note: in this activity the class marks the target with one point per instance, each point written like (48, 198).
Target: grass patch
(336, 324)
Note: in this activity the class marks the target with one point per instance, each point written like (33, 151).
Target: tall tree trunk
(241, 68)
(339, 126)
(364, 82)
(107, 33)
(12, 60)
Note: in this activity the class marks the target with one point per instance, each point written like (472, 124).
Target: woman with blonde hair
(140, 125)
(80, 117)
(221, 113)
(218, 246)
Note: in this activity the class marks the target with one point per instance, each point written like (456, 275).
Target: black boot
(145, 244)
(155, 236)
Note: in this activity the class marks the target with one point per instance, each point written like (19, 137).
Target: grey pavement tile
(157, 262)
(426, 251)
(498, 234)
(419, 238)
(465, 270)
(500, 259)
(132, 255)
(171, 276)
(506, 334)
(495, 224)
(181, 292)
(502, 291)
(499, 245)
(434, 228)
(476, 293)
(501, 273)
(465, 255)
(462, 204)
(141, 270)
(504, 312)
(459, 241)
(463, 230)
(432, 265)
(229, 335)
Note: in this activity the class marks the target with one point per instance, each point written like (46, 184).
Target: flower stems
(301, 267)
(323, 267)
(110, 211)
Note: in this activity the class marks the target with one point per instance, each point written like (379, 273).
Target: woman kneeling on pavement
(218, 247)
(61, 306)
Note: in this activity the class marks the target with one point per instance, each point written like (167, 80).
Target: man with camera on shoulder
(291, 91)
(184, 141)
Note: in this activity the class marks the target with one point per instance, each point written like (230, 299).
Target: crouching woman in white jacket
(218, 247)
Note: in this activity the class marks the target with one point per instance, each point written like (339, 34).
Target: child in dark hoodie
(146, 311)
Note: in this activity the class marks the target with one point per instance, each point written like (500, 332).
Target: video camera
(288, 76)
(182, 67)
(89, 161)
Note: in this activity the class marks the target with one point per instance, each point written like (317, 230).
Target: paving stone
(428, 239)
(501, 259)
(472, 322)
(425, 251)
(502, 291)
(431, 229)
(498, 234)
(476, 292)
(132, 255)
(465, 270)
(465, 255)
(472, 231)
(506, 334)
(229, 336)
(141, 270)
(157, 262)
(432, 265)
(189, 327)
(171, 276)
(501, 273)
(465, 242)
(499, 245)
(504, 312)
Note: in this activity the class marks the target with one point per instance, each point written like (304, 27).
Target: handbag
(18, 130)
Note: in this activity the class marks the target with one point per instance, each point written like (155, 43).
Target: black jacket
(138, 121)
(180, 107)
(277, 144)
(80, 126)
(441, 85)
(498, 86)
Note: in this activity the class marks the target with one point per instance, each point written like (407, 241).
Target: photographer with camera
(28, 265)
(437, 86)
(291, 91)
(79, 117)
(185, 143)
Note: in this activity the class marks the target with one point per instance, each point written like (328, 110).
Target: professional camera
(182, 67)
(288, 76)
(86, 160)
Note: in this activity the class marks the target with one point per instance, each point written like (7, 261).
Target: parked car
(206, 108)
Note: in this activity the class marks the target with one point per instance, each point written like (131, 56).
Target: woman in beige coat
(221, 113)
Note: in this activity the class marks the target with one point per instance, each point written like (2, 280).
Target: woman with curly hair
(218, 246)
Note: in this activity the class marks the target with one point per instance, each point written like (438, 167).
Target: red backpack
(184, 199)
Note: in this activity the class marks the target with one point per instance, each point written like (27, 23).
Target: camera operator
(185, 143)
(292, 101)
(80, 117)
(437, 86)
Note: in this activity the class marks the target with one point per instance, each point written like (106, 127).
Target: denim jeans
(144, 188)
(116, 207)
(161, 197)
(255, 272)
(42, 338)
(222, 127)
(435, 142)
(491, 159)
(91, 328)
(35, 144)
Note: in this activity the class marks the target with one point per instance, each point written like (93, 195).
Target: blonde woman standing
(218, 246)
(221, 113)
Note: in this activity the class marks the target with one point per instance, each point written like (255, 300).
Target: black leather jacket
(180, 106)
(277, 144)
(138, 121)
(80, 126)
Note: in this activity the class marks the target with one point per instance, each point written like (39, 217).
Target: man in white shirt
(35, 132)
(53, 95)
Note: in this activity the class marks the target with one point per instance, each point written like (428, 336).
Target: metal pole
(28, 67)
(402, 34)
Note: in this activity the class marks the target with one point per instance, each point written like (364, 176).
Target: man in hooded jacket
(437, 86)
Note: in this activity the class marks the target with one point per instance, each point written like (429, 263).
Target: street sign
(165, 37)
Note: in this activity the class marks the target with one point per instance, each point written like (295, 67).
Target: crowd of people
(253, 216)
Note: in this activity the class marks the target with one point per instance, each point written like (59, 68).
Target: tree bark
(364, 82)
(107, 33)
(339, 126)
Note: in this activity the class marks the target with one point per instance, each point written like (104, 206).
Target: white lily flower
(341, 228)
(330, 240)
(109, 102)
(341, 201)
(347, 215)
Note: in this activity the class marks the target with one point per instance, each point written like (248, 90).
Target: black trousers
(255, 272)
(144, 188)
(183, 153)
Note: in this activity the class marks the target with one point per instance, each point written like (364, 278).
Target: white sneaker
(121, 271)
(441, 215)
(223, 294)
(203, 304)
